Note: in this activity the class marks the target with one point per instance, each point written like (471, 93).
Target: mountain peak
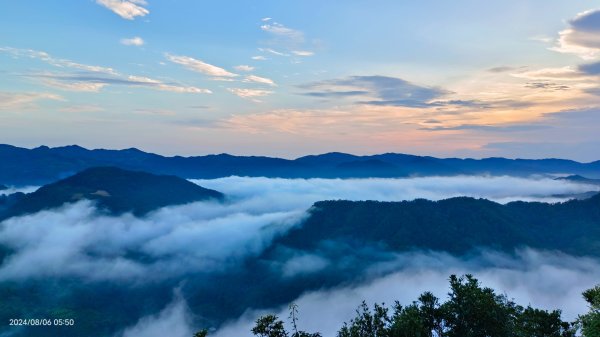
(116, 191)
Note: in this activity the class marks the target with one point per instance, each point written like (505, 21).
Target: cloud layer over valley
(204, 248)
(77, 241)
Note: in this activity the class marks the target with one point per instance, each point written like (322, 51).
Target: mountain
(455, 225)
(579, 179)
(114, 190)
(41, 165)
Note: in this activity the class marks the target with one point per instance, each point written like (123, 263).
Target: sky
(466, 78)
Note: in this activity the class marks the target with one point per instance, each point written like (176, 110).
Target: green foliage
(201, 333)
(470, 311)
(456, 225)
(269, 326)
(535, 322)
(473, 311)
(272, 326)
(590, 322)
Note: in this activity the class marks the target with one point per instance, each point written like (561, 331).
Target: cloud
(23, 189)
(301, 193)
(243, 67)
(134, 41)
(90, 78)
(127, 9)
(582, 37)
(77, 241)
(74, 86)
(272, 51)
(502, 69)
(81, 243)
(567, 73)
(249, 93)
(547, 86)
(261, 80)
(280, 30)
(152, 83)
(163, 248)
(303, 53)
(266, 19)
(547, 280)
(291, 40)
(301, 264)
(92, 82)
(174, 320)
(24, 100)
(199, 66)
(57, 62)
(592, 69)
(259, 58)
(380, 90)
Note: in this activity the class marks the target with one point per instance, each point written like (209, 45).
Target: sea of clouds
(77, 241)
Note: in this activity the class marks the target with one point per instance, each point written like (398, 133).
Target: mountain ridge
(114, 190)
(41, 165)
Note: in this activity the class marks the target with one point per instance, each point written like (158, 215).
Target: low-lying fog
(76, 241)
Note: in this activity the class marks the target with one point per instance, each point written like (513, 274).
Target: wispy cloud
(63, 84)
(302, 53)
(280, 30)
(251, 94)
(93, 82)
(259, 58)
(272, 51)
(282, 37)
(57, 62)
(92, 78)
(127, 9)
(261, 80)
(152, 83)
(24, 100)
(199, 66)
(134, 41)
(567, 73)
(244, 67)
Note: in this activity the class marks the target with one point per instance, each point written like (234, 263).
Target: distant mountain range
(41, 165)
(114, 190)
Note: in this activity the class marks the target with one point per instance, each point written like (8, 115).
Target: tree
(541, 323)
(269, 326)
(272, 326)
(201, 333)
(590, 322)
(368, 323)
(472, 311)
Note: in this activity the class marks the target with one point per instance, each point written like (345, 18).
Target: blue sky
(288, 78)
